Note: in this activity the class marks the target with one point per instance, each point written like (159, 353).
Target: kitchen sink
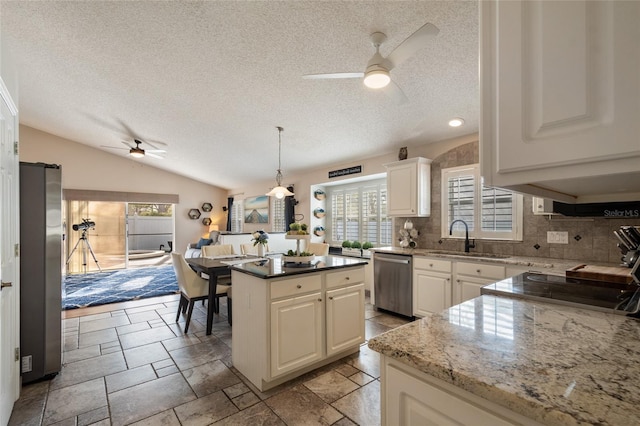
(472, 254)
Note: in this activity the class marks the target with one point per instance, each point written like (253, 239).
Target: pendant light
(279, 191)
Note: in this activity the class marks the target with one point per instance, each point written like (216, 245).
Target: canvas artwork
(256, 209)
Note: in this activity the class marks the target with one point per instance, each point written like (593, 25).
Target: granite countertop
(543, 264)
(556, 364)
(274, 267)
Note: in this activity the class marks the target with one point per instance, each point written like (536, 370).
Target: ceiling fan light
(377, 78)
(136, 152)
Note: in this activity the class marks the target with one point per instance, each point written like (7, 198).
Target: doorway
(104, 235)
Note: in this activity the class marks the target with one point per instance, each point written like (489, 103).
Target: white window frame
(237, 216)
(358, 187)
(458, 231)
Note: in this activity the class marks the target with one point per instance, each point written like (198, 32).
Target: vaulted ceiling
(213, 79)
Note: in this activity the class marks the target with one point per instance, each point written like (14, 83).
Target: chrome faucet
(467, 245)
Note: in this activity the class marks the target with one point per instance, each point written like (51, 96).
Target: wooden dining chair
(193, 288)
(249, 248)
(319, 249)
(217, 250)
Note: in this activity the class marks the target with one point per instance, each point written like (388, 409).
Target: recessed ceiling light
(456, 122)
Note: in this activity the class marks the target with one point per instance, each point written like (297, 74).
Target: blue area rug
(100, 288)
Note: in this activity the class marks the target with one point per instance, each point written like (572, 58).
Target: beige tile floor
(131, 363)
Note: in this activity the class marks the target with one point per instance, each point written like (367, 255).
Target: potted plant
(294, 228)
(351, 248)
(366, 247)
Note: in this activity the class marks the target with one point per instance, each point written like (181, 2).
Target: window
(490, 213)
(277, 215)
(358, 212)
(237, 216)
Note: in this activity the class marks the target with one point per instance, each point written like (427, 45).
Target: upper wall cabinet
(560, 90)
(409, 187)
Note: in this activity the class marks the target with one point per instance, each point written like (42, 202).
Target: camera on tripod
(86, 224)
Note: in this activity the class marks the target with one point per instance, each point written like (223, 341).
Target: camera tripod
(85, 245)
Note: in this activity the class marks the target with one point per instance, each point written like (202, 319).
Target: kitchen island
(494, 360)
(289, 319)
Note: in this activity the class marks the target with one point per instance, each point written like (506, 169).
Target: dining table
(214, 267)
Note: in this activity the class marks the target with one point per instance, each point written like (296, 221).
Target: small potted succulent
(366, 249)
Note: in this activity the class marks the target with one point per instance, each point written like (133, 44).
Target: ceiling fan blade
(153, 144)
(128, 144)
(413, 43)
(333, 75)
(395, 92)
(150, 154)
(157, 151)
(112, 147)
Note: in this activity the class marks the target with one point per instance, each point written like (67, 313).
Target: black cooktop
(621, 298)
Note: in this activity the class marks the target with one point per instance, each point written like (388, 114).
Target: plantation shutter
(461, 191)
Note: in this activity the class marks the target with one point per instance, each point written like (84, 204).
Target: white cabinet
(431, 285)
(559, 98)
(412, 398)
(296, 333)
(409, 187)
(284, 327)
(470, 277)
(345, 318)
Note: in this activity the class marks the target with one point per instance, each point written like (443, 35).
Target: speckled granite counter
(543, 264)
(555, 364)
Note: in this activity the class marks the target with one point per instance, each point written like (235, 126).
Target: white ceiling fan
(138, 152)
(377, 73)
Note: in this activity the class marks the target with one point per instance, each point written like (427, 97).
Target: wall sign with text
(343, 172)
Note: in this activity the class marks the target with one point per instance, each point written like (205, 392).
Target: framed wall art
(256, 209)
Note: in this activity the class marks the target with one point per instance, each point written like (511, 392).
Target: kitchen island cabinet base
(410, 397)
(285, 327)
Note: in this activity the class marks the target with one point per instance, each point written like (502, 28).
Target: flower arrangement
(260, 237)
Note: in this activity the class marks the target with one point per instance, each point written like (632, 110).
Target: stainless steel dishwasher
(392, 282)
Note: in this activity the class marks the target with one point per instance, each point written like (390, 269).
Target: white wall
(84, 167)
(370, 166)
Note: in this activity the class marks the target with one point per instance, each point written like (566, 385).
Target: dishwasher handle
(386, 259)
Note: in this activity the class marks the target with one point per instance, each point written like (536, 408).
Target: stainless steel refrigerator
(40, 270)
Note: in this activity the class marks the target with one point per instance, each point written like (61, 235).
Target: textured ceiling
(213, 79)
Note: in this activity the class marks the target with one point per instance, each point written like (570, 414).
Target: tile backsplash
(589, 239)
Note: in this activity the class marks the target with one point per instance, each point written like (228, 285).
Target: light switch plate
(557, 237)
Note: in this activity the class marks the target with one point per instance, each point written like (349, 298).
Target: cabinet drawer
(480, 270)
(295, 286)
(429, 264)
(344, 277)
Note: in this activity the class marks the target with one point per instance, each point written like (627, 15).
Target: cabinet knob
(346, 278)
(478, 270)
(458, 281)
(448, 279)
(299, 286)
(331, 298)
(319, 300)
(431, 265)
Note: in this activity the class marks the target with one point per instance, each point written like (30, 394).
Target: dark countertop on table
(274, 267)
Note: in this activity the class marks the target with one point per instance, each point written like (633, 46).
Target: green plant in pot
(356, 245)
(346, 244)
(367, 245)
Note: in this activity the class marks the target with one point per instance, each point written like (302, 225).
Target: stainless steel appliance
(40, 270)
(392, 283)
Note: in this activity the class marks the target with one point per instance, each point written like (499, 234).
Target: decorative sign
(343, 172)
(615, 210)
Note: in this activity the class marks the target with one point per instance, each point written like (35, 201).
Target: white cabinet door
(410, 401)
(469, 288)
(345, 318)
(296, 333)
(559, 96)
(409, 188)
(432, 292)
